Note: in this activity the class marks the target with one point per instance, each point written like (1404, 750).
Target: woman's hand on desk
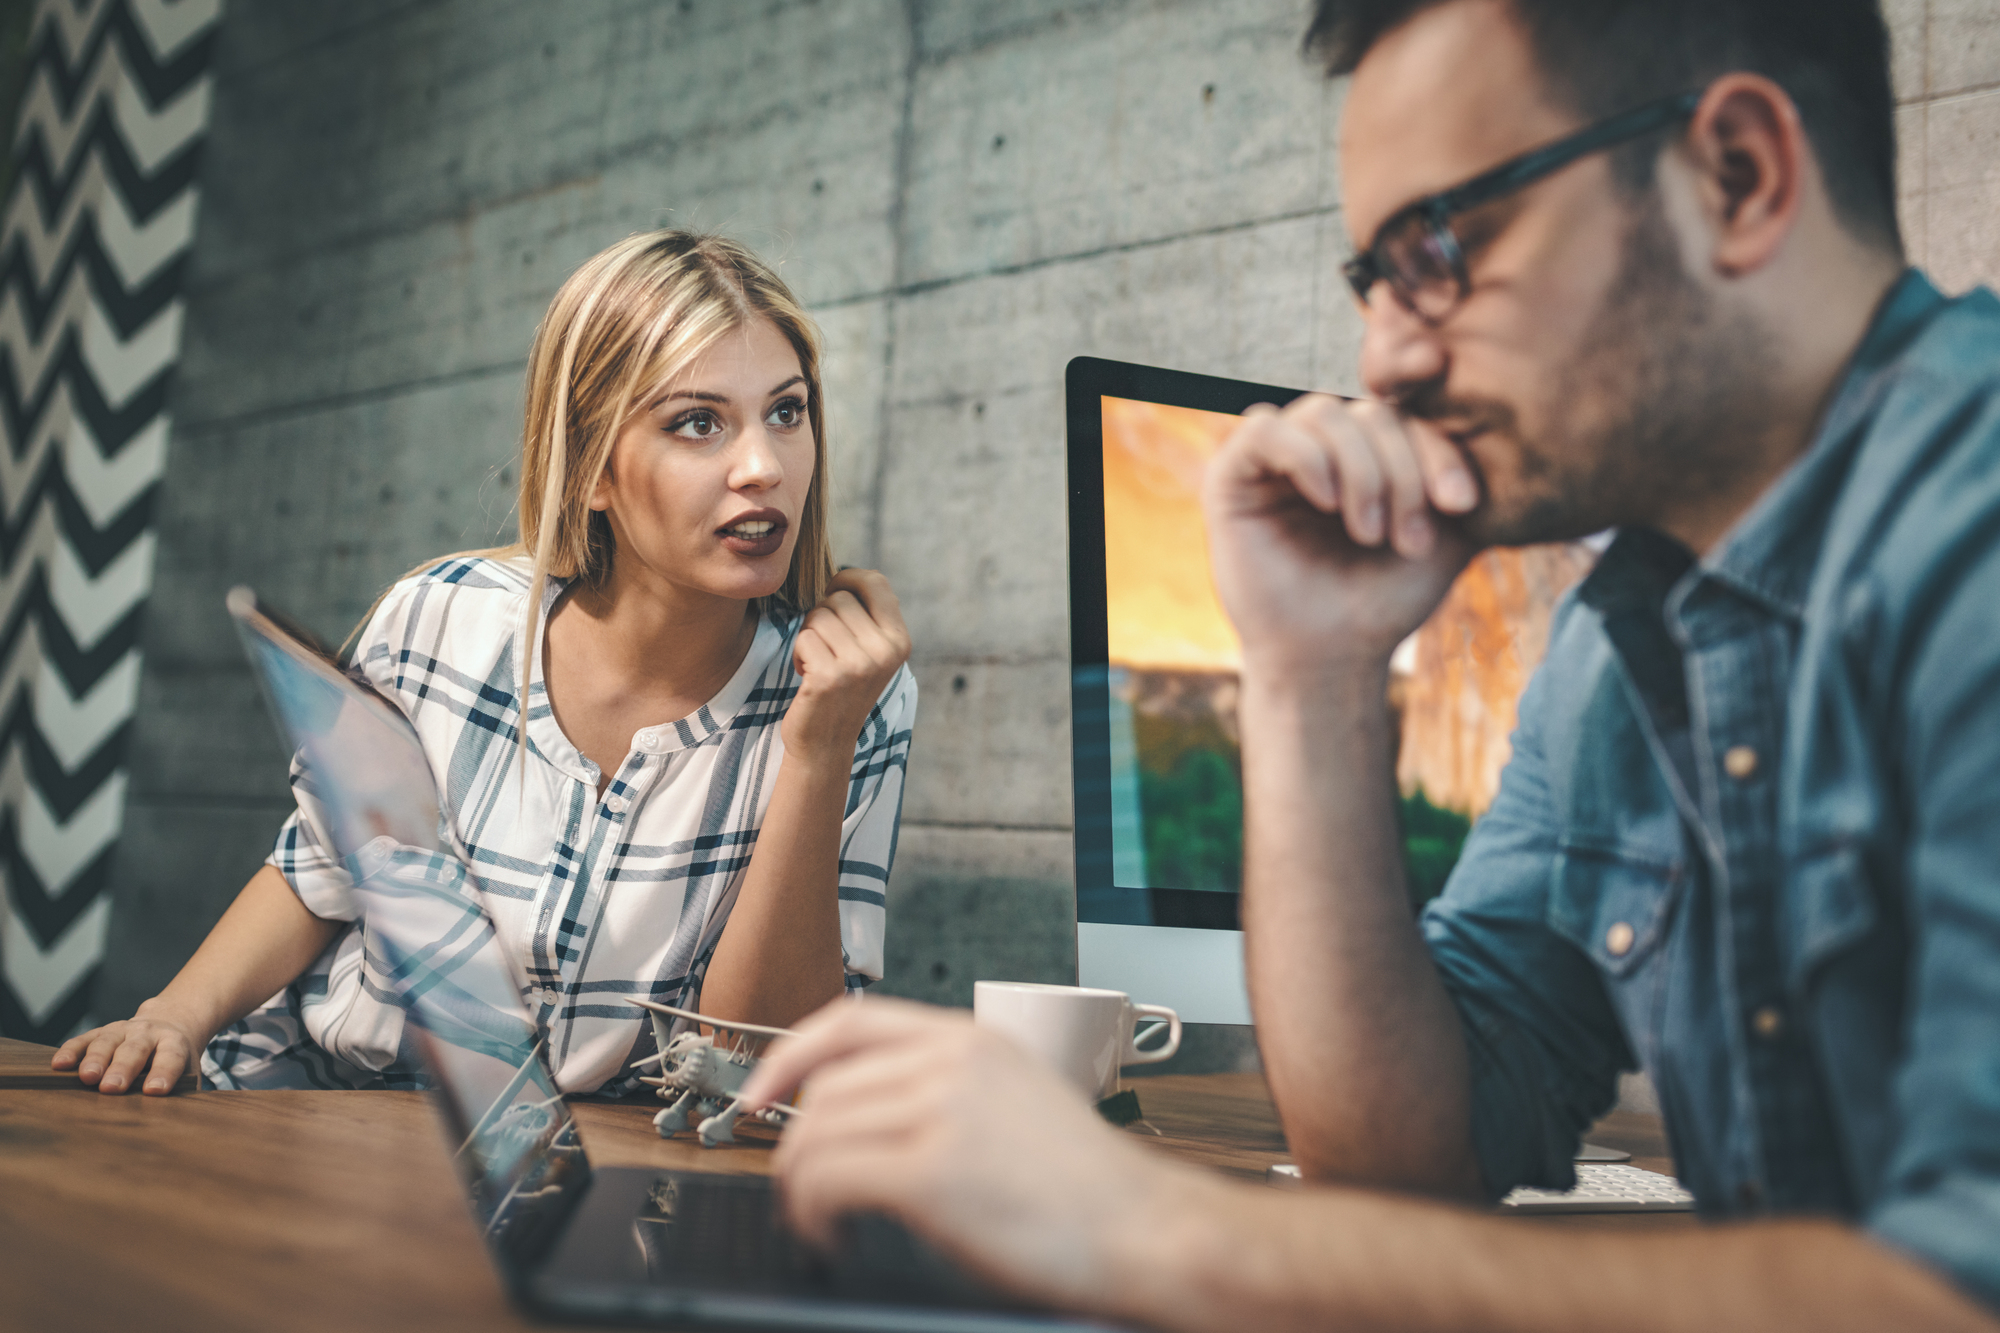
(157, 1042)
(846, 652)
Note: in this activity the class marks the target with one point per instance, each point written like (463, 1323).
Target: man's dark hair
(1605, 56)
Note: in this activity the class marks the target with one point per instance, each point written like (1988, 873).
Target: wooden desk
(339, 1210)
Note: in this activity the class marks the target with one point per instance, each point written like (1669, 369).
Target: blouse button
(550, 994)
(1618, 939)
(1740, 762)
(615, 804)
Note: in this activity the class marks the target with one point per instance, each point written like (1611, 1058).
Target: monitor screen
(1171, 656)
(1155, 659)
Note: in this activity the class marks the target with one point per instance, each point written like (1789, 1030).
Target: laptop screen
(1171, 653)
(429, 940)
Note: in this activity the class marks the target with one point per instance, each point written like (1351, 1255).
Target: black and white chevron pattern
(96, 230)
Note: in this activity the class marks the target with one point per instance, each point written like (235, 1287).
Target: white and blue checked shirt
(594, 898)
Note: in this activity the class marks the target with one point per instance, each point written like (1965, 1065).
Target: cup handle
(1153, 1055)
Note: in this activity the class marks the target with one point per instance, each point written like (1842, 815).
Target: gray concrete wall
(1948, 127)
(966, 192)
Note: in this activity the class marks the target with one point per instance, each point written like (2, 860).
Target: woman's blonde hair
(634, 316)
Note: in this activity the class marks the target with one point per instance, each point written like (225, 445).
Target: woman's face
(707, 481)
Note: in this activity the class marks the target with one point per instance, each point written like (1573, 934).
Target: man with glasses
(1631, 265)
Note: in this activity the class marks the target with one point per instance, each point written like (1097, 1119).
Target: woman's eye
(695, 426)
(787, 414)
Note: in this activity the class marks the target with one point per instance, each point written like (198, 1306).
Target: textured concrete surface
(1948, 126)
(967, 192)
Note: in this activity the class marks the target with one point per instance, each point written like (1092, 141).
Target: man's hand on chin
(969, 1141)
(1331, 528)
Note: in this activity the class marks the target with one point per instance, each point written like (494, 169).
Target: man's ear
(1753, 164)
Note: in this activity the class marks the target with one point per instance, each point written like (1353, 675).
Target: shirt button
(550, 995)
(1768, 1022)
(615, 804)
(1618, 939)
(1740, 762)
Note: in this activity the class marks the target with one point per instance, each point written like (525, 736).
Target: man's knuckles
(1267, 438)
(1370, 412)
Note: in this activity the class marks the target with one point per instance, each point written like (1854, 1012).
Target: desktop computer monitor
(1154, 664)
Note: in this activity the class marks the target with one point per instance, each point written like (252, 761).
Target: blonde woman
(703, 806)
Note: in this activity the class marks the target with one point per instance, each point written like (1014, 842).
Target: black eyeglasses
(1418, 255)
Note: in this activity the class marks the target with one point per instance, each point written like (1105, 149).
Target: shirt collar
(1770, 553)
(547, 737)
(1635, 573)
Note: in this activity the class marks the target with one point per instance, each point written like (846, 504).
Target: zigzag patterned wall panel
(92, 246)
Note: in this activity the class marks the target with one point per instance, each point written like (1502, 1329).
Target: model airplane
(699, 1077)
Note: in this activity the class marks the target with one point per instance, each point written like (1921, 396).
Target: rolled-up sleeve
(869, 828)
(304, 853)
(1543, 1041)
(304, 856)
(1940, 1199)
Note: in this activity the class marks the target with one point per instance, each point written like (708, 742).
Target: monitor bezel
(1087, 381)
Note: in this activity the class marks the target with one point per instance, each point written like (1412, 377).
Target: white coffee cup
(1086, 1034)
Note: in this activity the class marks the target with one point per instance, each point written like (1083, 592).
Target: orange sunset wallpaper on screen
(1175, 657)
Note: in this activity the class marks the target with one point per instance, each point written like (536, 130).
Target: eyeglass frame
(1367, 268)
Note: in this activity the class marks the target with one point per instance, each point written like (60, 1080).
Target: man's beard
(1646, 421)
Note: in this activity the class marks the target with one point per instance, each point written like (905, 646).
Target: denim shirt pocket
(1613, 901)
(1829, 907)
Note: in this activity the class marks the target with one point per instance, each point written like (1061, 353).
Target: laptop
(571, 1241)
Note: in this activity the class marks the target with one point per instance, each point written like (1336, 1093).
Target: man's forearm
(1233, 1257)
(1361, 1044)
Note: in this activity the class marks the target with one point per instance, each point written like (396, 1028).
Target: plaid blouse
(593, 897)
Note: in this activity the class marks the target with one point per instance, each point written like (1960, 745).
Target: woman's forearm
(265, 939)
(779, 957)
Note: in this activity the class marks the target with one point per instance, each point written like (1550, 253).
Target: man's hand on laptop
(969, 1141)
(1330, 528)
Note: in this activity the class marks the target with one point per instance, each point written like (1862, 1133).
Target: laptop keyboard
(1606, 1189)
(721, 1232)
(724, 1233)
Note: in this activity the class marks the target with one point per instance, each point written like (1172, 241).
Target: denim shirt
(1749, 838)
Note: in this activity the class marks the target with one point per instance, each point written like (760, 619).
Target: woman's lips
(755, 534)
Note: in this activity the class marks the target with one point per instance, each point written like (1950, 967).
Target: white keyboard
(1606, 1189)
